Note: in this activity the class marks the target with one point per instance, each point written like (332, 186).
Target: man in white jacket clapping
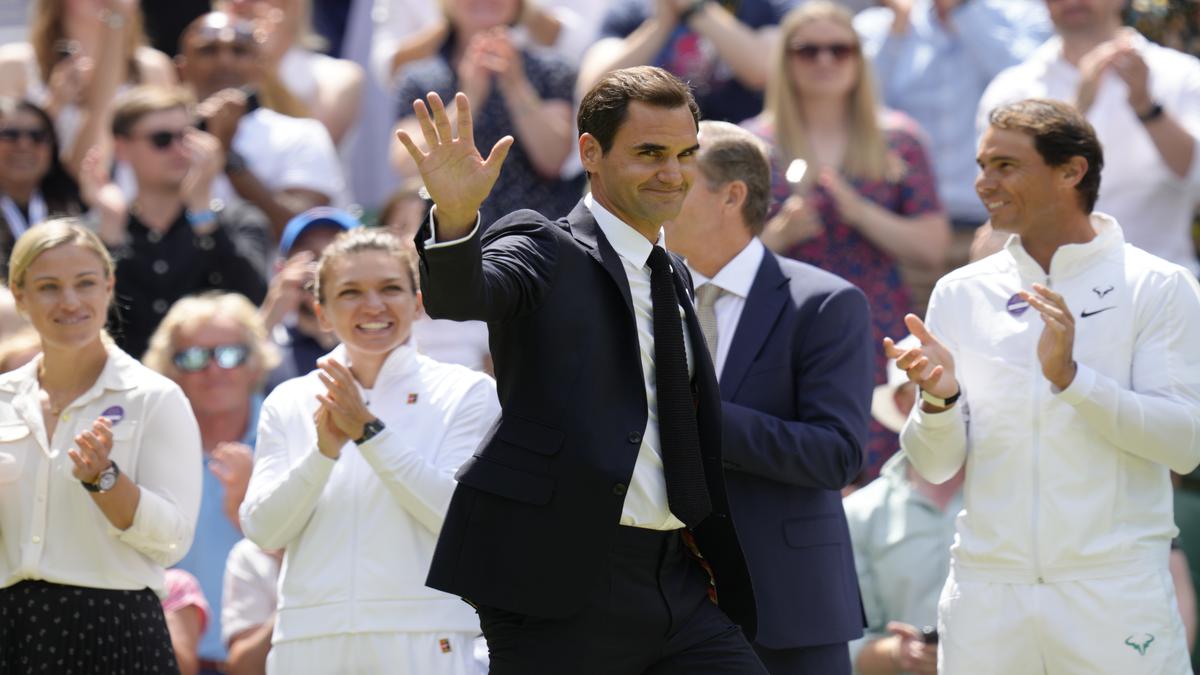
(1064, 372)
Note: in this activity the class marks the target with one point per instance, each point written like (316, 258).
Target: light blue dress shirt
(936, 73)
(215, 537)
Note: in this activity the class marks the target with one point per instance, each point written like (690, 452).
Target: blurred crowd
(217, 149)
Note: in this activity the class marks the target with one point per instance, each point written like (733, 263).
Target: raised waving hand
(456, 176)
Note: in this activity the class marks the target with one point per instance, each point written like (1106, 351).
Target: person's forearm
(248, 652)
(543, 128)
(119, 505)
(921, 240)
(250, 188)
(878, 657)
(1175, 145)
(740, 47)
(418, 46)
(542, 25)
(110, 70)
(936, 443)
(640, 47)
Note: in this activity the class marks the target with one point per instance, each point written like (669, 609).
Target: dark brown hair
(604, 108)
(1059, 133)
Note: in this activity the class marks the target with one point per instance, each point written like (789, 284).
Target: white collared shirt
(1153, 205)
(50, 528)
(735, 278)
(646, 501)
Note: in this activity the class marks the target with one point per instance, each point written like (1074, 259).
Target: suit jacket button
(619, 489)
(635, 437)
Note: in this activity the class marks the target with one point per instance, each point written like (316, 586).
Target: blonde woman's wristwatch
(106, 481)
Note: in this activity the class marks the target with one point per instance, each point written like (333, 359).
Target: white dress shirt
(1153, 205)
(735, 279)
(50, 528)
(646, 500)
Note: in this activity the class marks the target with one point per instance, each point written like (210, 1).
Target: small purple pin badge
(1017, 305)
(114, 414)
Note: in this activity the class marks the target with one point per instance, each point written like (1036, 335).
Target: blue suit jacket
(796, 401)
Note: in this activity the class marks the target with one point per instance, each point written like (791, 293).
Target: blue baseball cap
(318, 216)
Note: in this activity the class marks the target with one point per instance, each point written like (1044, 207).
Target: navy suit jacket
(796, 392)
(536, 509)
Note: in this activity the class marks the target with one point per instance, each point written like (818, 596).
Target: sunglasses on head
(195, 359)
(810, 52)
(163, 139)
(35, 136)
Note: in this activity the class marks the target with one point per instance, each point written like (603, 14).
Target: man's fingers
(466, 129)
(917, 327)
(498, 153)
(428, 130)
(441, 120)
(890, 349)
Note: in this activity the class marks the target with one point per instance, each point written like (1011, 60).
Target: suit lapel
(768, 296)
(587, 232)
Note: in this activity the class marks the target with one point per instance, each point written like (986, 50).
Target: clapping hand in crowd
(1121, 57)
(232, 464)
(222, 112)
(456, 176)
(848, 201)
(289, 287)
(342, 414)
(207, 160)
(795, 223)
(67, 81)
(99, 192)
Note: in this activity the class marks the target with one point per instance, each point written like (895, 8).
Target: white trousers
(1126, 625)
(376, 654)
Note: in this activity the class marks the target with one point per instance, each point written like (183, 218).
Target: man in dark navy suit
(588, 525)
(792, 348)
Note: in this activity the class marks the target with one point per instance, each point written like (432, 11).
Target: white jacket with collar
(1071, 484)
(359, 532)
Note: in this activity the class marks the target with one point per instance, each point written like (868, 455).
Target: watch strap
(939, 401)
(1152, 114)
(370, 430)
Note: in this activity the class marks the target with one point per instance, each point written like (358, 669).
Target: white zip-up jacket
(359, 532)
(1071, 484)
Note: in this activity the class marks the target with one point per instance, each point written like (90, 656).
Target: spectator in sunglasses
(353, 474)
(274, 159)
(34, 186)
(174, 238)
(853, 191)
(78, 57)
(215, 347)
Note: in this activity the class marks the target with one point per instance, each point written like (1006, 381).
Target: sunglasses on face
(162, 140)
(196, 359)
(35, 136)
(810, 52)
(239, 36)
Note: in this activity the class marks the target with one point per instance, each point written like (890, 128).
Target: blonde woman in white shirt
(99, 475)
(353, 473)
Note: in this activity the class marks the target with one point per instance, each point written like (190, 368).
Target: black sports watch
(370, 430)
(105, 481)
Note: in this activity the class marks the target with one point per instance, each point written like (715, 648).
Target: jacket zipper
(1037, 452)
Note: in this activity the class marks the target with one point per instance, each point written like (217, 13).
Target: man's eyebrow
(655, 147)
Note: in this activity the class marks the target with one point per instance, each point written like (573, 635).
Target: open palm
(456, 176)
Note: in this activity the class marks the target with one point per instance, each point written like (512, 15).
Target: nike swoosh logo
(1086, 314)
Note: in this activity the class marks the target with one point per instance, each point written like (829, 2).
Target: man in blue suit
(792, 349)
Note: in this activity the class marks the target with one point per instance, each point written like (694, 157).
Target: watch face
(108, 479)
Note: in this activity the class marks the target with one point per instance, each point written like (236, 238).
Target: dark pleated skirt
(70, 630)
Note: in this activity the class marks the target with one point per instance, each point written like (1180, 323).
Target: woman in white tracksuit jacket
(353, 472)
(1060, 559)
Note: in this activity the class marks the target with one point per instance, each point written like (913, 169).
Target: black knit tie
(687, 492)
